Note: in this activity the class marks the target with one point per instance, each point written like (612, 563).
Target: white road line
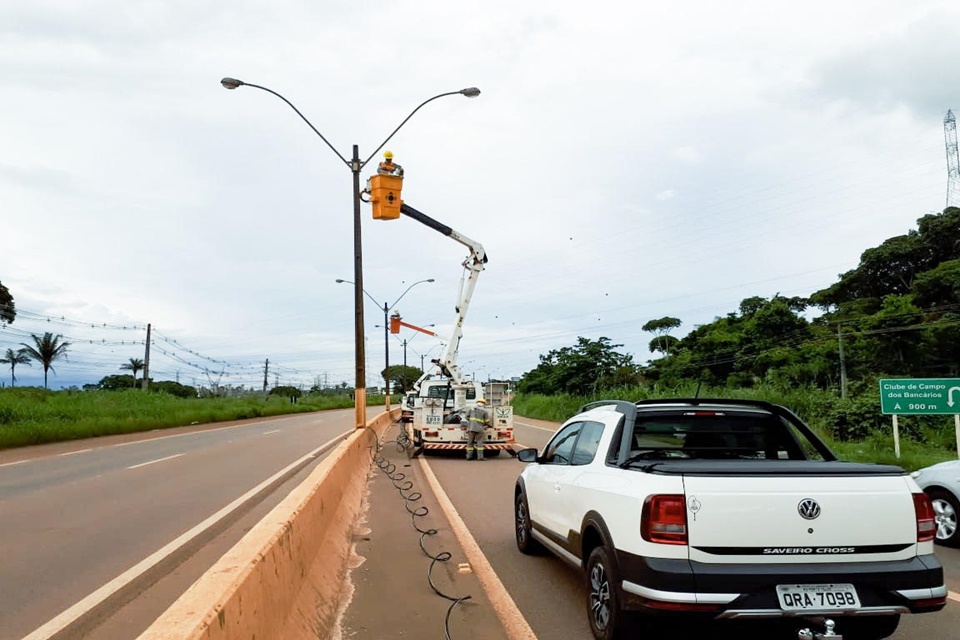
(66, 618)
(953, 596)
(10, 464)
(266, 433)
(70, 453)
(507, 610)
(143, 464)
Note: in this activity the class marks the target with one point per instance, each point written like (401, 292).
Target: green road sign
(920, 396)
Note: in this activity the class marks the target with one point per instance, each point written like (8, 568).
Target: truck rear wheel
(604, 610)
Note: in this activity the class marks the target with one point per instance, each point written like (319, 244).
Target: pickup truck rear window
(715, 435)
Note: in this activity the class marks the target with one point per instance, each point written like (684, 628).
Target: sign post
(920, 397)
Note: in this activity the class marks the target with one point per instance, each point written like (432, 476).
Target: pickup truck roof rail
(630, 409)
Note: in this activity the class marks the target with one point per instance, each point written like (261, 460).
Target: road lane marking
(506, 609)
(70, 453)
(953, 596)
(143, 464)
(10, 464)
(70, 615)
(266, 433)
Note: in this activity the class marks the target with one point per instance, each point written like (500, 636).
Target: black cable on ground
(405, 487)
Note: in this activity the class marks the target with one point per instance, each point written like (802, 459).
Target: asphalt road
(77, 517)
(551, 594)
(99, 536)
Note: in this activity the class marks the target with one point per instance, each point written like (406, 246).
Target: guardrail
(275, 582)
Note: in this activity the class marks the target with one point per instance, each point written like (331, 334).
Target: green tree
(135, 365)
(939, 286)
(286, 392)
(402, 377)
(661, 328)
(8, 311)
(13, 358)
(115, 383)
(579, 370)
(173, 388)
(46, 350)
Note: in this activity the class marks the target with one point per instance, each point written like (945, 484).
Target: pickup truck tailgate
(799, 518)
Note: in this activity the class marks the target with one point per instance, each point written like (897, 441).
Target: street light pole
(355, 165)
(386, 329)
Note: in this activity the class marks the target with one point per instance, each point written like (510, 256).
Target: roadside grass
(922, 443)
(30, 416)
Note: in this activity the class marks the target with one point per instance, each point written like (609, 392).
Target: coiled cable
(405, 488)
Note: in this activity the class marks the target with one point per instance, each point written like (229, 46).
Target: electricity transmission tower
(953, 160)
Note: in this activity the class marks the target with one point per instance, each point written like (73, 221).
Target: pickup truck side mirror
(527, 455)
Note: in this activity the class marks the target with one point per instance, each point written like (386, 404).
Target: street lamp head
(233, 83)
(339, 281)
(431, 280)
(470, 92)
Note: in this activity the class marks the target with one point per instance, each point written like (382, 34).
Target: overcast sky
(625, 162)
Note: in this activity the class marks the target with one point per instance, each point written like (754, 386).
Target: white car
(730, 509)
(942, 483)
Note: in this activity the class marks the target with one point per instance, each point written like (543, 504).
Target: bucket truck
(435, 400)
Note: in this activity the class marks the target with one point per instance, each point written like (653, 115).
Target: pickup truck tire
(604, 610)
(947, 512)
(525, 542)
(869, 627)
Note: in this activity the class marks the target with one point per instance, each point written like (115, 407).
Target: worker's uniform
(477, 421)
(390, 168)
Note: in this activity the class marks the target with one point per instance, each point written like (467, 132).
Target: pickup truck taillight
(664, 519)
(926, 519)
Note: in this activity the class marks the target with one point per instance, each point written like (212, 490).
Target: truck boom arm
(474, 264)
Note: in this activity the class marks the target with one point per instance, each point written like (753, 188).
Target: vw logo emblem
(808, 509)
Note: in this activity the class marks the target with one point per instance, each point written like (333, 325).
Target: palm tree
(13, 358)
(45, 350)
(135, 365)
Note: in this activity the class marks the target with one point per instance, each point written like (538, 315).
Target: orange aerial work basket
(385, 196)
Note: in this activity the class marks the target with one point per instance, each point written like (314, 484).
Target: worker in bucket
(477, 421)
(388, 167)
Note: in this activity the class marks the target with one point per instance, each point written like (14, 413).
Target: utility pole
(146, 362)
(843, 365)
(266, 369)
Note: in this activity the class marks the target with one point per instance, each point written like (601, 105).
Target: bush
(854, 419)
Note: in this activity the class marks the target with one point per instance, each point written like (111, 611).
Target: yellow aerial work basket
(385, 196)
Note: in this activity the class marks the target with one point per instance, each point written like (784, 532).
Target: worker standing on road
(477, 422)
(388, 167)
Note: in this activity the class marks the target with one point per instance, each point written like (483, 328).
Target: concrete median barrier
(283, 578)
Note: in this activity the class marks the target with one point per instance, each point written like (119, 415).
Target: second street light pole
(386, 328)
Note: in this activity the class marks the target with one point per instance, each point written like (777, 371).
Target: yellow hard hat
(481, 401)
(388, 155)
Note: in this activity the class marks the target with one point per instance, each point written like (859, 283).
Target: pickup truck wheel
(868, 627)
(603, 598)
(946, 510)
(525, 542)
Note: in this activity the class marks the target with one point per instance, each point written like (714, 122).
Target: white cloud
(136, 189)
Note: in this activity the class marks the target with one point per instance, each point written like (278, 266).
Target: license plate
(817, 597)
(434, 420)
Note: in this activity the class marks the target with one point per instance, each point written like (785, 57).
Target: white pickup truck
(730, 509)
